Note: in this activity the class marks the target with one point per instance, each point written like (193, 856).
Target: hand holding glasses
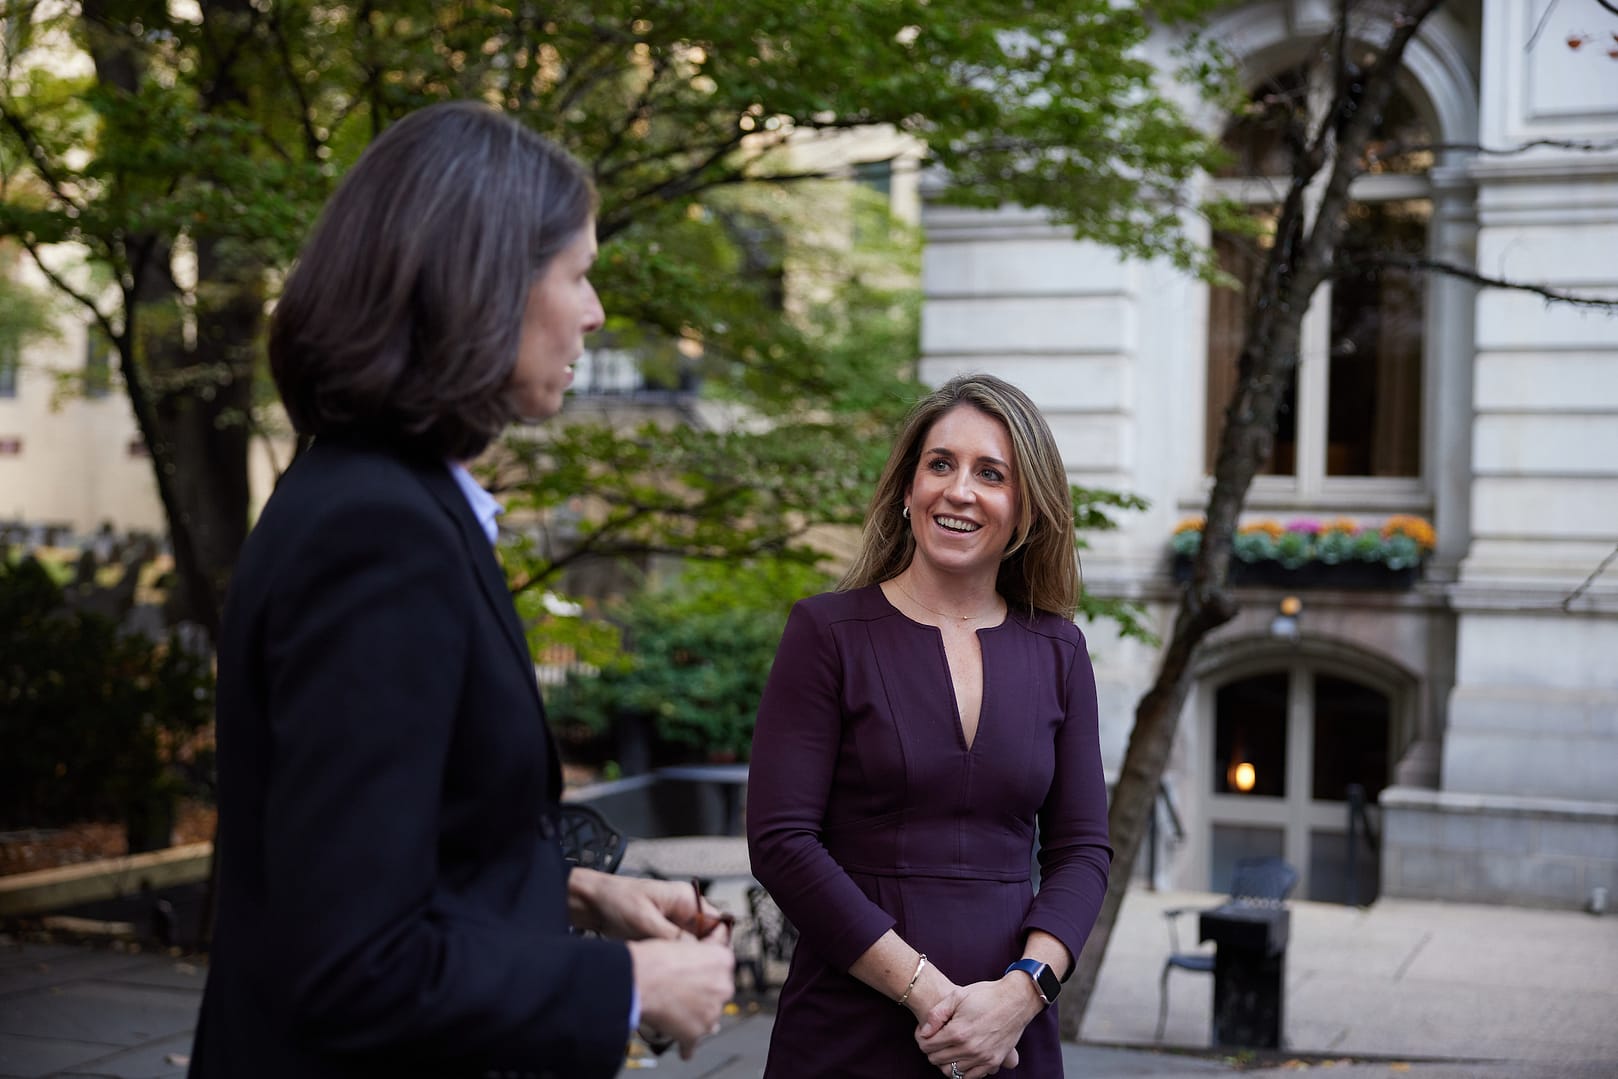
(703, 927)
(706, 925)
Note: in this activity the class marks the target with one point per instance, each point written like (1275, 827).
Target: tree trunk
(206, 423)
(1297, 263)
(190, 405)
(191, 402)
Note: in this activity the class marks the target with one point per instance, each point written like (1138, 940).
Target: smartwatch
(1046, 983)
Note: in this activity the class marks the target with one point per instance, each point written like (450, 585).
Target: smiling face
(963, 498)
(562, 307)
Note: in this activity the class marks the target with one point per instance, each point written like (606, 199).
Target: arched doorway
(1286, 745)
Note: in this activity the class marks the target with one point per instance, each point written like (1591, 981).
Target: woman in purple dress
(918, 723)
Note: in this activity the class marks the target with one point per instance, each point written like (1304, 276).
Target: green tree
(698, 649)
(190, 157)
(779, 460)
(25, 317)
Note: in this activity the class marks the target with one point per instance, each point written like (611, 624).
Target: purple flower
(1305, 525)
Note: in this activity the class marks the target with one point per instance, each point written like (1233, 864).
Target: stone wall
(1539, 852)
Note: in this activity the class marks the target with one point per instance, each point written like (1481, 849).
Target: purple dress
(866, 812)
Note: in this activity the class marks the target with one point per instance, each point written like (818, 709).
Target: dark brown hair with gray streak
(401, 320)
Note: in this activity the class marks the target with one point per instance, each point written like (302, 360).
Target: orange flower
(1342, 524)
(1190, 524)
(1274, 528)
(1415, 528)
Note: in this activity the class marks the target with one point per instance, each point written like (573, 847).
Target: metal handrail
(1359, 823)
(1359, 820)
(1166, 799)
(1166, 796)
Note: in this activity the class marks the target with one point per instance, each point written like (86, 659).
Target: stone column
(1526, 809)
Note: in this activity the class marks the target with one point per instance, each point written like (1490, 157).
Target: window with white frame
(1350, 419)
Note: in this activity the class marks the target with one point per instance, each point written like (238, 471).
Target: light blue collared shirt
(486, 508)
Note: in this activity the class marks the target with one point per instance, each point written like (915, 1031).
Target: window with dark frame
(1250, 736)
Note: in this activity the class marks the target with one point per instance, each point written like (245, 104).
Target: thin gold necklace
(935, 610)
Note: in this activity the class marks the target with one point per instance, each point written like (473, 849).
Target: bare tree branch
(636, 112)
(600, 65)
(593, 543)
(102, 319)
(1539, 27)
(38, 157)
(1568, 600)
(610, 538)
(1419, 264)
(283, 51)
(626, 549)
(1579, 145)
(735, 136)
(676, 187)
(1392, 150)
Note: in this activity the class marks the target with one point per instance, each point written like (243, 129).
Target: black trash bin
(1250, 951)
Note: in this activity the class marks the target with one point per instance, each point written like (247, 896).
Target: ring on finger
(955, 1071)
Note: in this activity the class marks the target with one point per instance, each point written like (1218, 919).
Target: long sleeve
(365, 681)
(1074, 851)
(796, 745)
(390, 897)
(870, 810)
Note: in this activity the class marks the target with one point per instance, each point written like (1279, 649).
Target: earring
(907, 513)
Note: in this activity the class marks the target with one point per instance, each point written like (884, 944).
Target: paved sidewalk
(1398, 979)
(1430, 990)
(80, 1011)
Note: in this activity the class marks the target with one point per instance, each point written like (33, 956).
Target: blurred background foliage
(99, 722)
(162, 163)
(696, 651)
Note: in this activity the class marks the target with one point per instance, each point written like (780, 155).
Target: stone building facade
(1477, 708)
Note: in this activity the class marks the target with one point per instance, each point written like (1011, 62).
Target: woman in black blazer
(392, 898)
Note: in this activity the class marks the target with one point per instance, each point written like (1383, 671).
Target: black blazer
(392, 898)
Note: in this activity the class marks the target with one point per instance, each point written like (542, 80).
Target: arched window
(1352, 410)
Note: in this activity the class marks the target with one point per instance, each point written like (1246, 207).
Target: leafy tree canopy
(190, 155)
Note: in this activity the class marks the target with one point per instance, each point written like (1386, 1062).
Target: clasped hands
(679, 944)
(976, 1027)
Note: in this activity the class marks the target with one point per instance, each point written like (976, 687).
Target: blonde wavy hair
(1040, 568)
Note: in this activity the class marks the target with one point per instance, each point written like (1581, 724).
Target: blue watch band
(1046, 983)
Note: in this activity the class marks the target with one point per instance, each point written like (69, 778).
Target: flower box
(1305, 553)
(1345, 575)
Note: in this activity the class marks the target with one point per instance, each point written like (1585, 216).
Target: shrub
(96, 722)
(1294, 548)
(1254, 546)
(697, 653)
(1187, 539)
(1335, 543)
